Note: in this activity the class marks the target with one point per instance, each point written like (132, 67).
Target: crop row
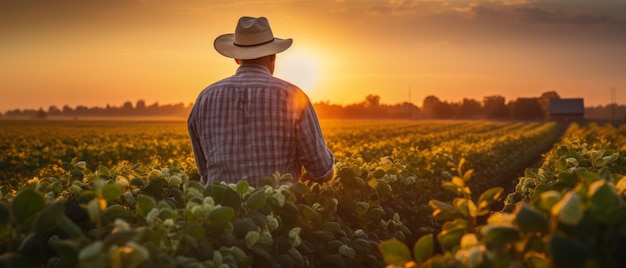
(134, 200)
(568, 212)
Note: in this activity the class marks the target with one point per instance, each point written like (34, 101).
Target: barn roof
(567, 106)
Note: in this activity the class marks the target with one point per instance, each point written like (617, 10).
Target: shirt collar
(251, 67)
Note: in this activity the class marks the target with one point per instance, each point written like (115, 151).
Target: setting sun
(298, 68)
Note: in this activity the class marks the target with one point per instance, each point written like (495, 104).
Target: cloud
(557, 16)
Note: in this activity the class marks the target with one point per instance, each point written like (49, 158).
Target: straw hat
(252, 39)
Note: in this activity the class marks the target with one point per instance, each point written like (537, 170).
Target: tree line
(490, 107)
(493, 107)
(125, 110)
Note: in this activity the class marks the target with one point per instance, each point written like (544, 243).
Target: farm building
(567, 110)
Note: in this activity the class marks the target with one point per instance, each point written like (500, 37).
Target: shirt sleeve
(313, 153)
(196, 146)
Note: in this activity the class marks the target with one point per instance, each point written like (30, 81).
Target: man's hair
(255, 60)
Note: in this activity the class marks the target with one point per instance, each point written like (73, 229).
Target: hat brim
(225, 45)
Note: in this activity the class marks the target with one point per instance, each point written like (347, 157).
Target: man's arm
(313, 153)
(198, 153)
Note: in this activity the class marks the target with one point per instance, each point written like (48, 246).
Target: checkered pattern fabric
(252, 124)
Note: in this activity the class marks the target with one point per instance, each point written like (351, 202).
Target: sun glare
(298, 68)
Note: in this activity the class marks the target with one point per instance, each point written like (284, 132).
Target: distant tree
(127, 108)
(82, 110)
(495, 107)
(54, 110)
(443, 110)
(527, 109)
(41, 114)
(327, 110)
(153, 109)
(373, 108)
(141, 104)
(470, 108)
(67, 110)
(15, 112)
(405, 110)
(544, 101)
(428, 105)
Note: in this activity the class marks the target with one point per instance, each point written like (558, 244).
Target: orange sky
(99, 52)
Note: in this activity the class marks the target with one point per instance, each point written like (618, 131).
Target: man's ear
(238, 61)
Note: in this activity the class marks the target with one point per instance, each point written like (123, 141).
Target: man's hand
(327, 177)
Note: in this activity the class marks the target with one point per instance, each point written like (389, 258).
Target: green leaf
(49, 217)
(110, 192)
(487, 197)
(103, 171)
(167, 213)
(66, 166)
(197, 185)
(332, 260)
(599, 162)
(256, 200)
(468, 241)
(468, 175)
(602, 194)
(536, 260)
(395, 252)
(361, 208)
(70, 228)
(566, 252)
(586, 176)
(499, 234)
(547, 200)
(460, 183)
(196, 230)
(154, 187)
(231, 198)
(450, 186)
(617, 216)
(222, 215)
(299, 188)
(242, 187)
(116, 211)
(460, 166)
(530, 220)
(424, 248)
(309, 213)
(26, 205)
(145, 204)
(465, 206)
(567, 178)
(569, 210)
(376, 213)
(444, 211)
(379, 173)
(330, 226)
(33, 247)
(4, 213)
(68, 251)
(119, 238)
(452, 232)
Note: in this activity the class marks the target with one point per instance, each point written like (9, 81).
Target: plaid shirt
(252, 124)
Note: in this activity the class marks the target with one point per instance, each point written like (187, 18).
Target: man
(252, 124)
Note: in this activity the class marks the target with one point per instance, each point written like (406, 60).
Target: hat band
(254, 45)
